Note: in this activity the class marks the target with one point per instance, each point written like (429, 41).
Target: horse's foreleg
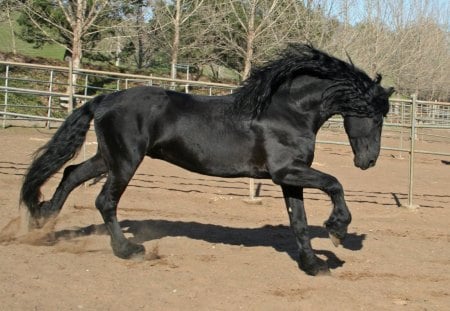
(306, 177)
(340, 217)
(74, 175)
(308, 261)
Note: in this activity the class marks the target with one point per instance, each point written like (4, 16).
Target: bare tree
(249, 25)
(174, 17)
(408, 41)
(9, 6)
(133, 36)
(78, 18)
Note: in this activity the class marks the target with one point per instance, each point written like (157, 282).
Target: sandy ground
(209, 250)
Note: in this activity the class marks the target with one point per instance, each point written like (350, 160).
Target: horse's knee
(332, 186)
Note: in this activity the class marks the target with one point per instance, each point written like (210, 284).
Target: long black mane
(200, 134)
(352, 90)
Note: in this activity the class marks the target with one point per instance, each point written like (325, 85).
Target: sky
(358, 9)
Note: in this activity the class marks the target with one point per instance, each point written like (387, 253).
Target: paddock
(209, 250)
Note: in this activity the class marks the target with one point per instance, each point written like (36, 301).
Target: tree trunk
(77, 51)
(11, 27)
(76, 64)
(77, 27)
(140, 36)
(248, 55)
(250, 41)
(176, 39)
(118, 50)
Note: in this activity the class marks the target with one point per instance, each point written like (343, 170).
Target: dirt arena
(209, 250)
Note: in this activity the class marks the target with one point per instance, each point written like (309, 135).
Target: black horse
(266, 129)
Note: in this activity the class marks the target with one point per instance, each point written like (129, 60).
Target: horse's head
(364, 134)
(364, 131)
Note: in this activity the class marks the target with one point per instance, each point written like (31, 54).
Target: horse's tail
(63, 146)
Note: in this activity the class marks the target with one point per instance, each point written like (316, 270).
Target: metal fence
(39, 92)
(46, 93)
(408, 122)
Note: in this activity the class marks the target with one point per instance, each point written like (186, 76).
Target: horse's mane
(351, 92)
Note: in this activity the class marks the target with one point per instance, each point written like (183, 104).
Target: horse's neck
(305, 93)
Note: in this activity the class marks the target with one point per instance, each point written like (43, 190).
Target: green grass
(54, 51)
(48, 51)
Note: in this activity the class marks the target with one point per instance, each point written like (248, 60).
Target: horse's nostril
(372, 163)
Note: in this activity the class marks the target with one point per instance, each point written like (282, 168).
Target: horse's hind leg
(106, 203)
(74, 175)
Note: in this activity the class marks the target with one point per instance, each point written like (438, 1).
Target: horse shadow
(278, 237)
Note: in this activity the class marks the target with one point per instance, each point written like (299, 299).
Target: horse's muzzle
(364, 164)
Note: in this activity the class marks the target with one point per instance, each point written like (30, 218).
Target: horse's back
(193, 132)
(198, 134)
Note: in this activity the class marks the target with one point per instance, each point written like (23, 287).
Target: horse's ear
(349, 59)
(390, 91)
(378, 78)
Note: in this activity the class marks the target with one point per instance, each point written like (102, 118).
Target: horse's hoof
(129, 250)
(336, 241)
(34, 223)
(138, 254)
(336, 230)
(39, 223)
(323, 271)
(316, 268)
(42, 216)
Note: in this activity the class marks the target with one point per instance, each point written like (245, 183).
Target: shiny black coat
(267, 129)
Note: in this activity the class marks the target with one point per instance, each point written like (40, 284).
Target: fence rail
(40, 92)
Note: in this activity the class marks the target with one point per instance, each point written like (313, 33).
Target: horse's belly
(220, 161)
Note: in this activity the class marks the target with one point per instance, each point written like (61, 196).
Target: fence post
(70, 90)
(411, 152)
(5, 109)
(86, 84)
(50, 90)
(402, 123)
(252, 191)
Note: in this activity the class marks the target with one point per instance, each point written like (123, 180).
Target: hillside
(51, 51)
